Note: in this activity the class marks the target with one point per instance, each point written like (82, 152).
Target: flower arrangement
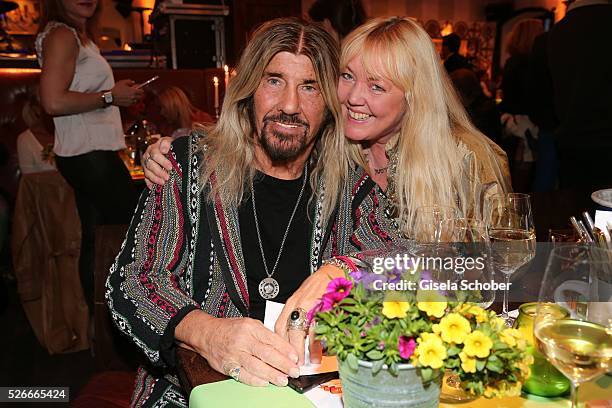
(355, 323)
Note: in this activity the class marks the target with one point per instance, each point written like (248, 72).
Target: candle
(226, 69)
(216, 83)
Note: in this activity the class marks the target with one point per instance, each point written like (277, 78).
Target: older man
(237, 199)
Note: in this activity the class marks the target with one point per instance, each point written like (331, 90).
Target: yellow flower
(431, 303)
(453, 328)
(503, 389)
(477, 344)
(431, 351)
(435, 309)
(490, 391)
(394, 310)
(507, 337)
(477, 312)
(513, 338)
(497, 323)
(524, 367)
(467, 363)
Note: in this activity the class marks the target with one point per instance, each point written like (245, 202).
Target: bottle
(545, 380)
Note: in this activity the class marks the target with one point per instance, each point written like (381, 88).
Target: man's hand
(263, 356)
(155, 164)
(306, 297)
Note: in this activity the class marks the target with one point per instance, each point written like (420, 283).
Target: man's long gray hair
(231, 143)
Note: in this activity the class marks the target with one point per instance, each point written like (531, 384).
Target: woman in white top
(78, 89)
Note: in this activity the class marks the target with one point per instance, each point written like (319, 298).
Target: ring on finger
(146, 160)
(232, 369)
(297, 320)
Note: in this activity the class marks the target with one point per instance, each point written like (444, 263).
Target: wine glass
(579, 280)
(427, 225)
(512, 233)
(469, 241)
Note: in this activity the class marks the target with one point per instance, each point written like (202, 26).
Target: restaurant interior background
(195, 48)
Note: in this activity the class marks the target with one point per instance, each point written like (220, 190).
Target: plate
(603, 197)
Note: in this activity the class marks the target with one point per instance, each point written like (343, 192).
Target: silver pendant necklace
(268, 287)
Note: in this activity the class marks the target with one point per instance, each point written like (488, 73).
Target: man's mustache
(285, 119)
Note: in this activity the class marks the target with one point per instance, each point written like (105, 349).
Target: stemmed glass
(512, 233)
(469, 241)
(578, 280)
(427, 225)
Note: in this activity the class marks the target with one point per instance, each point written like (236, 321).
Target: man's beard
(280, 146)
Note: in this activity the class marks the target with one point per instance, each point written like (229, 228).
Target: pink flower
(339, 288)
(328, 302)
(406, 347)
(312, 312)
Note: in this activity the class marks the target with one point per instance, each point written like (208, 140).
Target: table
(194, 370)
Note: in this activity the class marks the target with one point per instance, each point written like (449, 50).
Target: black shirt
(275, 200)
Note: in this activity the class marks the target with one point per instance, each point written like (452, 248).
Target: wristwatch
(107, 98)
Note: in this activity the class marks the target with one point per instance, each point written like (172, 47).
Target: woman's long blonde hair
(430, 166)
(230, 145)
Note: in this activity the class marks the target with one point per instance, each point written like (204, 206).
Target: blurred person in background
(450, 53)
(339, 17)
(579, 62)
(519, 131)
(33, 145)
(482, 109)
(179, 113)
(78, 89)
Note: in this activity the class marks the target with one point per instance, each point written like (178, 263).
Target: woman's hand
(155, 164)
(306, 297)
(125, 93)
(263, 356)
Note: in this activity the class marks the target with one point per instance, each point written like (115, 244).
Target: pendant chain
(282, 245)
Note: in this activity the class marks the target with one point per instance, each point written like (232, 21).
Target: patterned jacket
(176, 236)
(158, 276)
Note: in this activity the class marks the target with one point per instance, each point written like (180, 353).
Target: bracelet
(339, 263)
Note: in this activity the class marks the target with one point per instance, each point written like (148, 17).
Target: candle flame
(216, 80)
(226, 69)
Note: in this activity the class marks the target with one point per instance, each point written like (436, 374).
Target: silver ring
(146, 160)
(232, 369)
(297, 320)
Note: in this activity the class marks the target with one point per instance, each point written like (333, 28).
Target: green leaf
(352, 362)
(453, 351)
(377, 366)
(393, 370)
(374, 355)
(480, 364)
(426, 374)
(495, 365)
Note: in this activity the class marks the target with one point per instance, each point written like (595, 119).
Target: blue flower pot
(362, 388)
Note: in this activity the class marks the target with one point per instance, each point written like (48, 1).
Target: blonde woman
(179, 113)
